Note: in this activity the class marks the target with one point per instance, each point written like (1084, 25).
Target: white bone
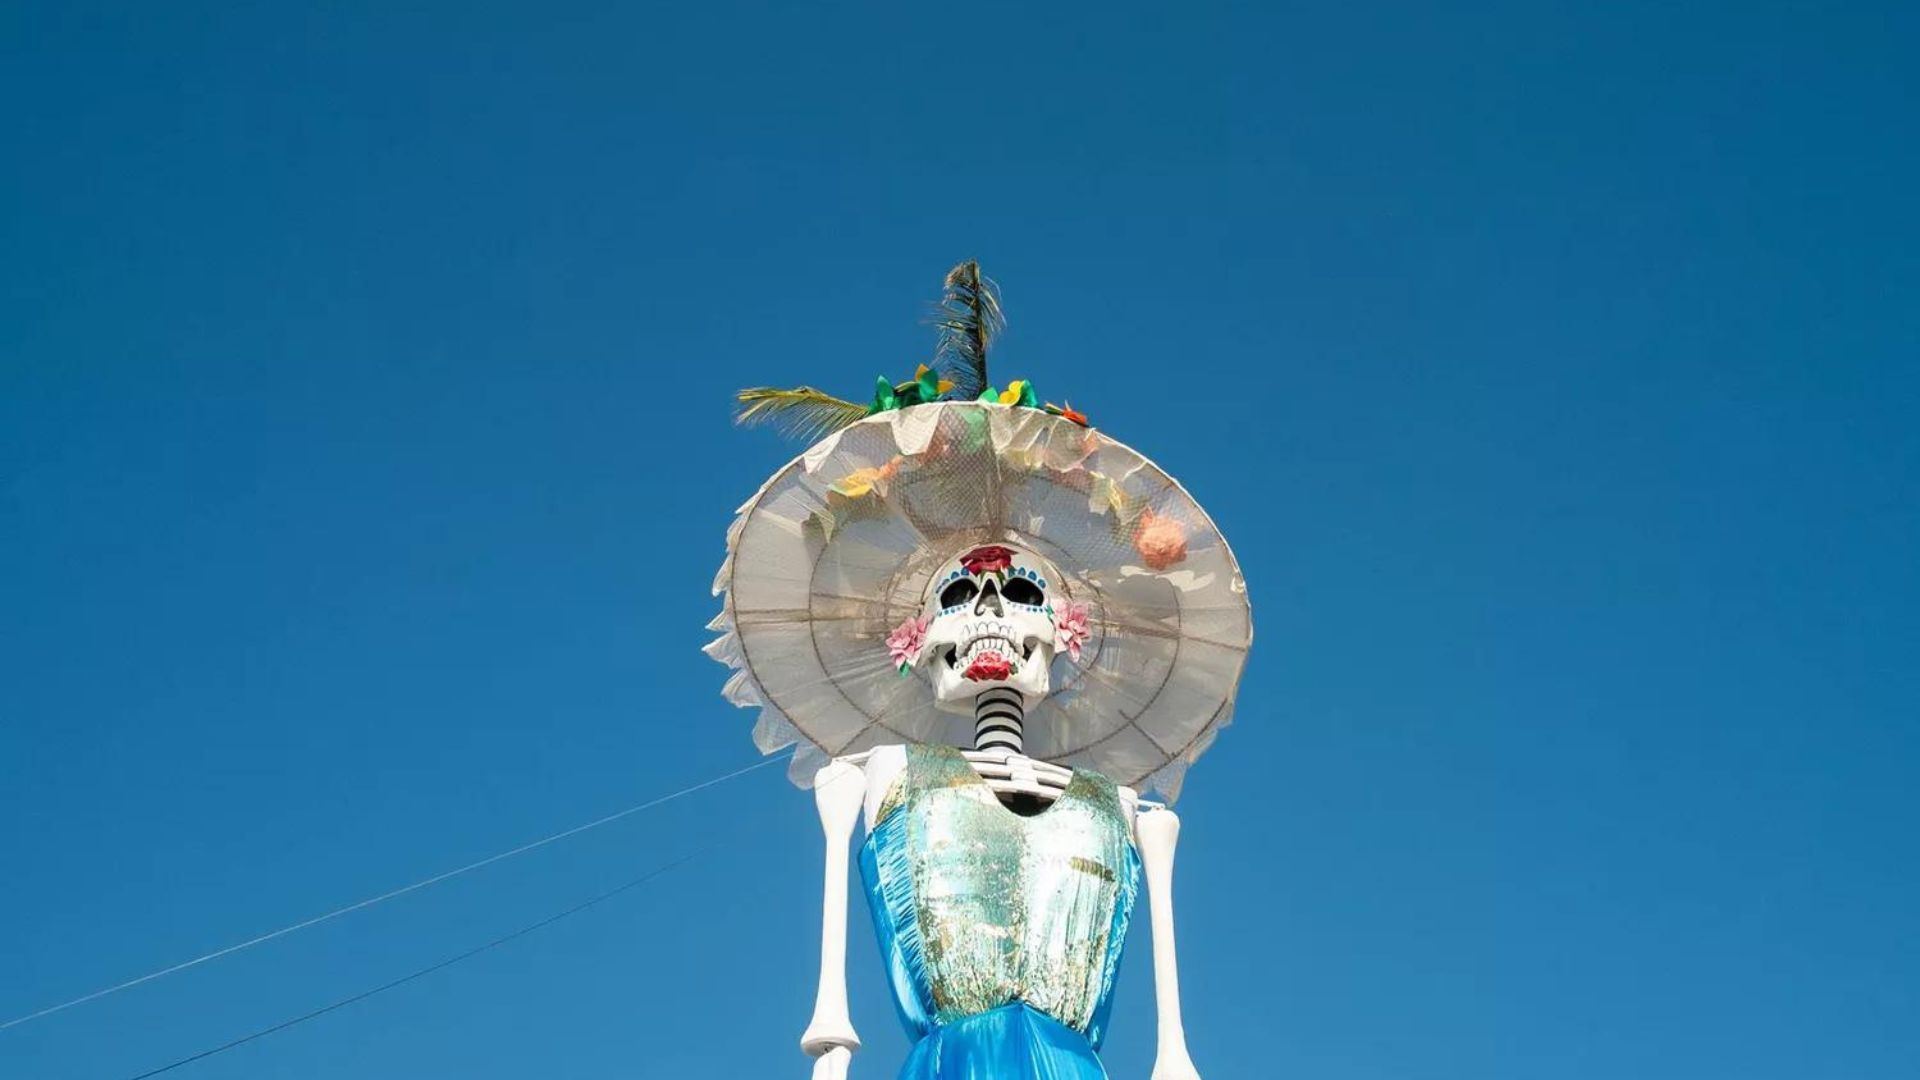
(1021, 770)
(837, 792)
(833, 1064)
(1005, 774)
(1158, 834)
(1008, 773)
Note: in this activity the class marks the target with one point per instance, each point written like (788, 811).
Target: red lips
(989, 667)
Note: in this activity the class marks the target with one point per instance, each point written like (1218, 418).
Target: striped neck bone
(999, 719)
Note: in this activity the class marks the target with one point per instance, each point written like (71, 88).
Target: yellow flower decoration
(862, 482)
(1011, 395)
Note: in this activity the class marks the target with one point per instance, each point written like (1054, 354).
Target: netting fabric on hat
(837, 548)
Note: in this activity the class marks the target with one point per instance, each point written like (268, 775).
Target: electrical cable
(389, 895)
(404, 979)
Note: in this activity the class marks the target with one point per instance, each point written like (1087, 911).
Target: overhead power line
(388, 895)
(404, 979)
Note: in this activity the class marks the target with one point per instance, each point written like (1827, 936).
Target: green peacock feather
(967, 319)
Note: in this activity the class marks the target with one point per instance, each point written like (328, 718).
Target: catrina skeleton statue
(984, 628)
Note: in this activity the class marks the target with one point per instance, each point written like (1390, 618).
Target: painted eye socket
(1021, 591)
(958, 593)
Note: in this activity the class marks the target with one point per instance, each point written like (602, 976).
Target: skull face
(989, 620)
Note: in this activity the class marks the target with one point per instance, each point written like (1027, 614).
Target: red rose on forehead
(986, 560)
(990, 667)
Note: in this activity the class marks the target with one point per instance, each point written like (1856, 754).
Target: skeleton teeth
(982, 646)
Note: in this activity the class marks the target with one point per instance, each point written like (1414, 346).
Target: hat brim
(837, 548)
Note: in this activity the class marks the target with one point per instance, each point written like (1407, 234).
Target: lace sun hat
(837, 550)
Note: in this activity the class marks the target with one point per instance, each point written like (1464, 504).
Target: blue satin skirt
(1013, 1042)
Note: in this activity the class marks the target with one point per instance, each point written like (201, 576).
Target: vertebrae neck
(998, 715)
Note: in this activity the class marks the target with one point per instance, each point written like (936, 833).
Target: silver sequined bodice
(978, 906)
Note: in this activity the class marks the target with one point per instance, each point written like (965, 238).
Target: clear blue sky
(364, 462)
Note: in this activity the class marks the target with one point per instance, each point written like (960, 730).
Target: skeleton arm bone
(837, 791)
(833, 1064)
(1158, 833)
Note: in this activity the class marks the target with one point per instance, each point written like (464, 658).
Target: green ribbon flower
(924, 388)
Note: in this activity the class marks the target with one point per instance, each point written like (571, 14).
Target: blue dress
(1001, 933)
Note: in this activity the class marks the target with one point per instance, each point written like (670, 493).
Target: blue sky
(364, 461)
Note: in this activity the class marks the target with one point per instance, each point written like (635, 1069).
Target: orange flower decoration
(1161, 541)
(1068, 412)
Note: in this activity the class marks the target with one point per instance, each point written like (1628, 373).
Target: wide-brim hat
(836, 550)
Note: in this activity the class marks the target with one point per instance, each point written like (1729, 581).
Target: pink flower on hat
(905, 642)
(1071, 629)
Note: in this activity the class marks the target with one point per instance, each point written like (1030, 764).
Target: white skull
(990, 623)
